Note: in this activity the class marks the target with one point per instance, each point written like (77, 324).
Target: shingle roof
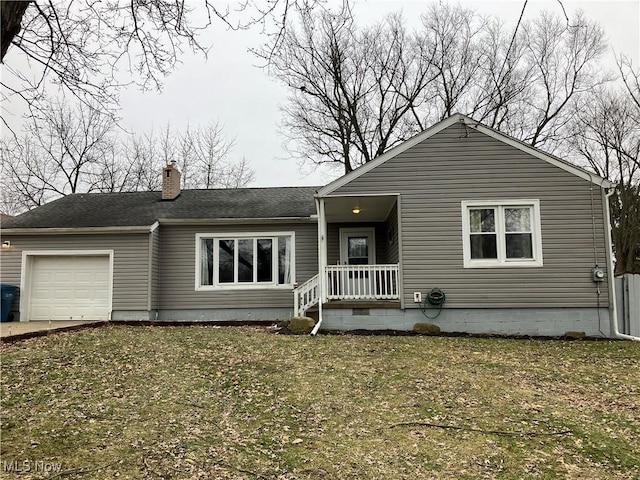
(145, 208)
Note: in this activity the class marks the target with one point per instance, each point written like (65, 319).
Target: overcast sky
(229, 87)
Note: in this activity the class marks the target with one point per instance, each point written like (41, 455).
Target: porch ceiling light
(355, 210)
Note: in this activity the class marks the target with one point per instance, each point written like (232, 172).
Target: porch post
(322, 261)
(322, 250)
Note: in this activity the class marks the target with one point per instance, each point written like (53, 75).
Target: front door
(357, 247)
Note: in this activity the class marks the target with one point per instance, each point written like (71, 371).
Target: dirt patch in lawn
(238, 402)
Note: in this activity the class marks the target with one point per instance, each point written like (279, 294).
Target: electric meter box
(597, 274)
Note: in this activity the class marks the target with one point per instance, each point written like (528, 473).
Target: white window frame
(244, 285)
(502, 261)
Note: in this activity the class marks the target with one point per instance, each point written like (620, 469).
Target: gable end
(470, 123)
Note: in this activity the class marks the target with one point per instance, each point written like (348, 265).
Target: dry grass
(228, 403)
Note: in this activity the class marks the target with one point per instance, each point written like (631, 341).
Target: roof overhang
(235, 221)
(150, 228)
(469, 122)
(371, 208)
(80, 230)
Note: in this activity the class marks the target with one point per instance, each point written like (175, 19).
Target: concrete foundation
(545, 322)
(518, 321)
(133, 315)
(222, 314)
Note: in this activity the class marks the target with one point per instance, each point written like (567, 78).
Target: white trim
(79, 230)
(26, 267)
(322, 261)
(501, 261)
(400, 252)
(155, 225)
(236, 221)
(447, 122)
(249, 285)
(377, 194)
(322, 246)
(369, 231)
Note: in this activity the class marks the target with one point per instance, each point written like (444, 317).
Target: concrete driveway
(18, 330)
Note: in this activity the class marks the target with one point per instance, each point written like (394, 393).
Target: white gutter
(79, 230)
(321, 261)
(615, 332)
(227, 221)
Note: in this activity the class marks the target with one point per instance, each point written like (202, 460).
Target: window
(244, 260)
(502, 233)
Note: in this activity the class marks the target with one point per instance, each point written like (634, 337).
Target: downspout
(321, 262)
(610, 277)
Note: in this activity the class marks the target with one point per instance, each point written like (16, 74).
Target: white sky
(229, 87)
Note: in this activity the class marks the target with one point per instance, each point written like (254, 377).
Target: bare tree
(92, 49)
(202, 153)
(138, 152)
(355, 92)
(62, 152)
(351, 90)
(630, 78)
(504, 82)
(75, 149)
(206, 151)
(564, 58)
(453, 34)
(606, 133)
(22, 177)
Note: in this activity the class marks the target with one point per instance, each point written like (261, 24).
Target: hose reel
(434, 299)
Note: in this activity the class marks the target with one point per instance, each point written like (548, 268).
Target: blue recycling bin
(8, 293)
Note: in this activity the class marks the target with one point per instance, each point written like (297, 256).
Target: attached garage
(60, 286)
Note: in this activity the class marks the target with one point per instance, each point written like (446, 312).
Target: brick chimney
(170, 181)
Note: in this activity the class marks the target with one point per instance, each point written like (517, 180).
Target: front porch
(358, 254)
(350, 286)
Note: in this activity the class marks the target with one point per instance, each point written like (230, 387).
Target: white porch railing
(349, 282)
(306, 296)
(362, 282)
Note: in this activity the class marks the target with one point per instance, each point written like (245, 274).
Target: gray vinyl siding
(391, 237)
(130, 262)
(178, 268)
(458, 164)
(386, 252)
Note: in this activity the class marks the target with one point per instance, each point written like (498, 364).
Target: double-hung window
(503, 233)
(244, 260)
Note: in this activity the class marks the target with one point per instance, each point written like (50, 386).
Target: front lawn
(231, 403)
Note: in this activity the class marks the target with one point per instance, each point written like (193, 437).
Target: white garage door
(65, 287)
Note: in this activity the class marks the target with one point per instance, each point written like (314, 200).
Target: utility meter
(597, 274)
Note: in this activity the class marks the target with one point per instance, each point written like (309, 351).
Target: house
(516, 239)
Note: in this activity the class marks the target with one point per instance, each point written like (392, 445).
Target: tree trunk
(11, 14)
